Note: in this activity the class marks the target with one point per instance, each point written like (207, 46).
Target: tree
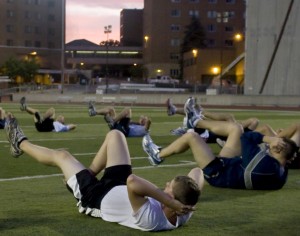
(110, 42)
(194, 38)
(27, 69)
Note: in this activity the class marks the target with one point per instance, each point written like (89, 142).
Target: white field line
(184, 163)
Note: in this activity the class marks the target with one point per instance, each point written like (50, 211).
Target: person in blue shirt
(248, 160)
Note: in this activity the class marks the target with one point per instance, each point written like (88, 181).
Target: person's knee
(114, 134)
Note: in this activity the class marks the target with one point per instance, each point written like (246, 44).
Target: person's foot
(179, 131)
(23, 104)
(92, 110)
(191, 113)
(14, 135)
(152, 150)
(171, 108)
(110, 121)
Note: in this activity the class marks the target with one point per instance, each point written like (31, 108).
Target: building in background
(131, 27)
(33, 29)
(272, 48)
(164, 30)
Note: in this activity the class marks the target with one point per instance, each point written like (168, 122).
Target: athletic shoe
(109, 120)
(23, 104)
(179, 131)
(152, 150)
(92, 110)
(14, 135)
(191, 113)
(220, 142)
(171, 108)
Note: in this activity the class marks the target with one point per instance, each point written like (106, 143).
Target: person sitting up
(119, 196)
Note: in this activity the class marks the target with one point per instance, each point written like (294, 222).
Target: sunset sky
(86, 19)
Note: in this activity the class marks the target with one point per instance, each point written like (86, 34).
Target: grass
(41, 205)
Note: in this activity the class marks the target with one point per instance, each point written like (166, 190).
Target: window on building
(175, 1)
(174, 72)
(9, 13)
(230, 1)
(9, 1)
(175, 28)
(38, 16)
(175, 13)
(37, 30)
(174, 56)
(193, 1)
(229, 43)
(28, 2)
(194, 13)
(229, 28)
(211, 28)
(9, 28)
(37, 44)
(212, 14)
(51, 45)
(28, 43)
(231, 14)
(51, 17)
(51, 3)
(9, 42)
(51, 31)
(28, 15)
(212, 1)
(37, 2)
(175, 42)
(28, 29)
(211, 42)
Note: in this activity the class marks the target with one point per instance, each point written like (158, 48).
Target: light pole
(222, 17)
(107, 31)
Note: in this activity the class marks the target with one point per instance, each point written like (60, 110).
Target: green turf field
(34, 200)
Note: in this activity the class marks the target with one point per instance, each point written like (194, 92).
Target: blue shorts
(225, 173)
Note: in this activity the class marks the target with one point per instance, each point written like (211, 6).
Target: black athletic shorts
(45, 125)
(94, 190)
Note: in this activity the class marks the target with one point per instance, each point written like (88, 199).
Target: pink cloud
(86, 20)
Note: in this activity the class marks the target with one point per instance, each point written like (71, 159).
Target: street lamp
(222, 17)
(107, 31)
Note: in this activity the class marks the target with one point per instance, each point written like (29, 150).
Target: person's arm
(139, 188)
(71, 126)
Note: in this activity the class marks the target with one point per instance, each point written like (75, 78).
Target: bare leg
(2, 113)
(114, 151)
(218, 116)
(125, 113)
(106, 111)
(61, 159)
(201, 151)
(231, 130)
(50, 113)
(250, 123)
